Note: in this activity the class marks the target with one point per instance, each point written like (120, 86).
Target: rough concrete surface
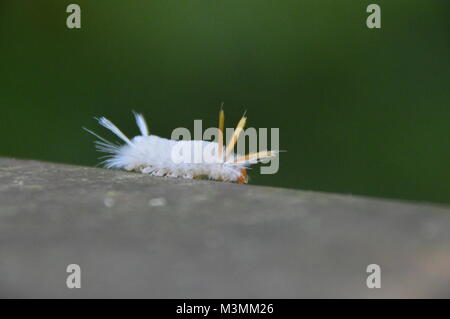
(147, 237)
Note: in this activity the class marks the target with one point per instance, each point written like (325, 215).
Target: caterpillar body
(154, 155)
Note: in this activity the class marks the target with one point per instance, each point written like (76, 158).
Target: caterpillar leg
(243, 179)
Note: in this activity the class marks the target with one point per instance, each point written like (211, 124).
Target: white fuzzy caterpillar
(150, 154)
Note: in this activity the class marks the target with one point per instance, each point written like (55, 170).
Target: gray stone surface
(140, 236)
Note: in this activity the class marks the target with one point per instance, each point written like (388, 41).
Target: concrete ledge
(139, 236)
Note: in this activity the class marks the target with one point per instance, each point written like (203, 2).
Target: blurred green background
(360, 110)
